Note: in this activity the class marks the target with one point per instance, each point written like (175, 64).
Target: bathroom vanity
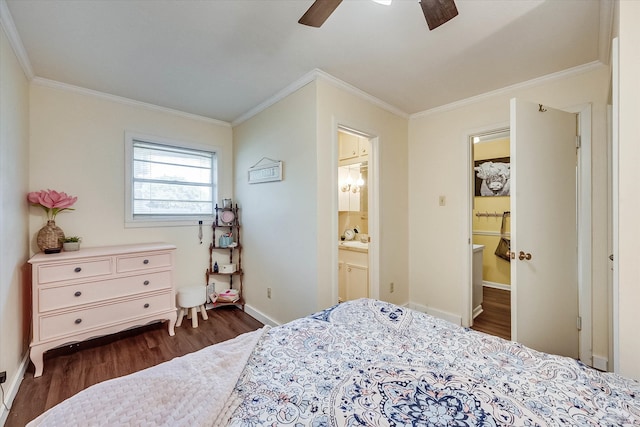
(353, 270)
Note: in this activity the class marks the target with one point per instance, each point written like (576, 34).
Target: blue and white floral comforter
(372, 363)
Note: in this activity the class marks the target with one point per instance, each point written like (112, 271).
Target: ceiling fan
(436, 12)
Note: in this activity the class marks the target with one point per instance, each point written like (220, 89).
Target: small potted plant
(71, 243)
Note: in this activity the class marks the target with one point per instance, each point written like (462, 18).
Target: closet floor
(495, 318)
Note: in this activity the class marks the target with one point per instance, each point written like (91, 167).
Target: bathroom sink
(354, 244)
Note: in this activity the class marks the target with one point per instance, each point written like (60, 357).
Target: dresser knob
(146, 305)
(146, 261)
(78, 321)
(146, 282)
(77, 269)
(77, 294)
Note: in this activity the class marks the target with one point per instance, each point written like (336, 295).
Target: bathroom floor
(495, 318)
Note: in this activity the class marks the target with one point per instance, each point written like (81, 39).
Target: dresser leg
(36, 358)
(172, 324)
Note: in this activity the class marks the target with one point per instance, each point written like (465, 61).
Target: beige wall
(77, 146)
(438, 165)
(389, 155)
(290, 242)
(629, 202)
(279, 218)
(14, 250)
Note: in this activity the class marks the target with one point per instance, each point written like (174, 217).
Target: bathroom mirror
(364, 199)
(352, 183)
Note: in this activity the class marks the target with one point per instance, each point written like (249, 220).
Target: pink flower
(51, 201)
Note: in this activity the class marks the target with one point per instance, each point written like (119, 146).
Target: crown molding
(360, 94)
(580, 69)
(311, 76)
(126, 101)
(291, 88)
(605, 33)
(6, 21)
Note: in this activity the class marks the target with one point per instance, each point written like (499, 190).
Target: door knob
(523, 256)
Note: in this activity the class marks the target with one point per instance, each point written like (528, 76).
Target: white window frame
(164, 221)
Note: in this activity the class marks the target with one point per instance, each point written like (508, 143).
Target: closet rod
(492, 214)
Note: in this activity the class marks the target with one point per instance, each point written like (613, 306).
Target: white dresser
(98, 291)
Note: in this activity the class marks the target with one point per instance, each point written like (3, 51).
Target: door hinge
(578, 141)
(579, 323)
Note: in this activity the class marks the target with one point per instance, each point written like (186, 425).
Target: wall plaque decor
(266, 170)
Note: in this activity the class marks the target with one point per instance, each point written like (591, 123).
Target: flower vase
(50, 237)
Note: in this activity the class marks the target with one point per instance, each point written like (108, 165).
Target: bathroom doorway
(354, 190)
(491, 226)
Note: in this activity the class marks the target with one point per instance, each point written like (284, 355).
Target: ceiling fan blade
(319, 12)
(437, 12)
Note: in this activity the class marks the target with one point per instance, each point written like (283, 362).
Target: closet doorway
(543, 208)
(491, 225)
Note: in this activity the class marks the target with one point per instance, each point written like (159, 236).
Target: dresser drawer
(143, 262)
(54, 298)
(50, 273)
(90, 318)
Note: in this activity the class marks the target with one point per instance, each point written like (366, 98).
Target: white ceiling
(222, 58)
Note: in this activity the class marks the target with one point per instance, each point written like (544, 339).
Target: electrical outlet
(392, 287)
(269, 293)
(3, 377)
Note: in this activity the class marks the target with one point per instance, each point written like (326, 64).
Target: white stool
(194, 298)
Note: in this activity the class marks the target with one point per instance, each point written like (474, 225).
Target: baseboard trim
(496, 285)
(450, 317)
(601, 363)
(12, 390)
(477, 311)
(260, 316)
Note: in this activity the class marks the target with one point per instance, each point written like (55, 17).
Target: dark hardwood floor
(495, 318)
(70, 369)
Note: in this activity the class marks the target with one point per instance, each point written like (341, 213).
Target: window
(169, 181)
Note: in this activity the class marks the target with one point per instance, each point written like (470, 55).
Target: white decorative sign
(266, 170)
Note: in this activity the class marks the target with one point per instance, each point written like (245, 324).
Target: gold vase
(50, 237)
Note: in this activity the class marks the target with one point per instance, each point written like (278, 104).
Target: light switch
(442, 200)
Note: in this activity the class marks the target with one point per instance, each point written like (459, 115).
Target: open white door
(615, 184)
(544, 242)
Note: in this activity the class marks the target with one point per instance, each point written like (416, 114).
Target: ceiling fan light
(384, 2)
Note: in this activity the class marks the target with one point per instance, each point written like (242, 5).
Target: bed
(363, 362)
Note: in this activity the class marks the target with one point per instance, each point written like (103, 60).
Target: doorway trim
(373, 206)
(583, 113)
